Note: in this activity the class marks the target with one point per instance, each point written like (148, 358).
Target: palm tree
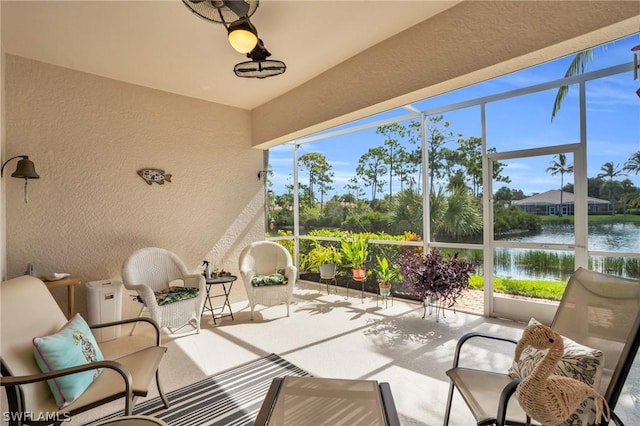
(455, 216)
(633, 166)
(610, 171)
(406, 212)
(577, 67)
(633, 163)
(463, 217)
(560, 166)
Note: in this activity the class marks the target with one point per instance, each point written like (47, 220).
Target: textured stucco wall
(3, 241)
(88, 136)
(470, 42)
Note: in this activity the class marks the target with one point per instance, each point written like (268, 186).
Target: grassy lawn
(603, 219)
(551, 290)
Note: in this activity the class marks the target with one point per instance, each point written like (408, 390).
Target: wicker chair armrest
(247, 274)
(475, 334)
(291, 271)
(146, 293)
(195, 281)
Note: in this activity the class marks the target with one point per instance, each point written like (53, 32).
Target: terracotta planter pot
(359, 274)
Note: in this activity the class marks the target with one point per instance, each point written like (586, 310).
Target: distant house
(548, 203)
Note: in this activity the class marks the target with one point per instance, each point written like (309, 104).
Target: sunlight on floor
(334, 336)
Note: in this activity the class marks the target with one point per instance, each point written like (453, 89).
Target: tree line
(385, 193)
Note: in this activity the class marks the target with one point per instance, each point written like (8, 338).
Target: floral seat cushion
(267, 280)
(172, 294)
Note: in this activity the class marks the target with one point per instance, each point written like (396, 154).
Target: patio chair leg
(136, 324)
(196, 324)
(448, 409)
(165, 401)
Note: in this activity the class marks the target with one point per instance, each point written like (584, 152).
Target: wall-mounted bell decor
(24, 170)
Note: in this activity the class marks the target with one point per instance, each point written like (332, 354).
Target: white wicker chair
(153, 269)
(265, 258)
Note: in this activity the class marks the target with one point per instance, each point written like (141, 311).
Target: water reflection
(622, 237)
(556, 265)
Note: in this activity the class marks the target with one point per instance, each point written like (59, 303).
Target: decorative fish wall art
(154, 175)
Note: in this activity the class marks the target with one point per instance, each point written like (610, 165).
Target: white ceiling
(163, 45)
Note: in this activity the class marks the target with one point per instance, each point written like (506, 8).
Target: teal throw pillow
(73, 345)
(266, 280)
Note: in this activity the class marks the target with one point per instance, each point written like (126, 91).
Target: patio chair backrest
(265, 257)
(27, 310)
(603, 312)
(154, 267)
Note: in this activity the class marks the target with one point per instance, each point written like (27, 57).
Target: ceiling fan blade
(239, 7)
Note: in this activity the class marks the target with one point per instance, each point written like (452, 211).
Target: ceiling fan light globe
(243, 40)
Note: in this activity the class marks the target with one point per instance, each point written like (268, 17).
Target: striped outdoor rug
(231, 398)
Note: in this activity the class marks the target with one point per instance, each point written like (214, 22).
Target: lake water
(623, 237)
(617, 237)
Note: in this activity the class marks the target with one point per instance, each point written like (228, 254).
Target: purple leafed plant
(436, 278)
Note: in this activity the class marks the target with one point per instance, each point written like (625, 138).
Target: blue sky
(613, 124)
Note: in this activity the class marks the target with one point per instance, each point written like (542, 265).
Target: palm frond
(633, 164)
(576, 67)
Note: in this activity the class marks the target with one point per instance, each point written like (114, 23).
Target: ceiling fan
(259, 66)
(243, 36)
(234, 14)
(222, 11)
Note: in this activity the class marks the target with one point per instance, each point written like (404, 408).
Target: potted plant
(435, 279)
(323, 259)
(355, 250)
(385, 274)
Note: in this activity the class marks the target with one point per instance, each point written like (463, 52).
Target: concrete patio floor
(335, 336)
